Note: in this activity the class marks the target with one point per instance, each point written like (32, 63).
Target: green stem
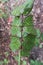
(19, 57)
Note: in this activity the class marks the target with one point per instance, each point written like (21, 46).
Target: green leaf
(15, 43)
(28, 30)
(27, 44)
(27, 10)
(28, 26)
(36, 62)
(20, 9)
(28, 21)
(16, 31)
(16, 22)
